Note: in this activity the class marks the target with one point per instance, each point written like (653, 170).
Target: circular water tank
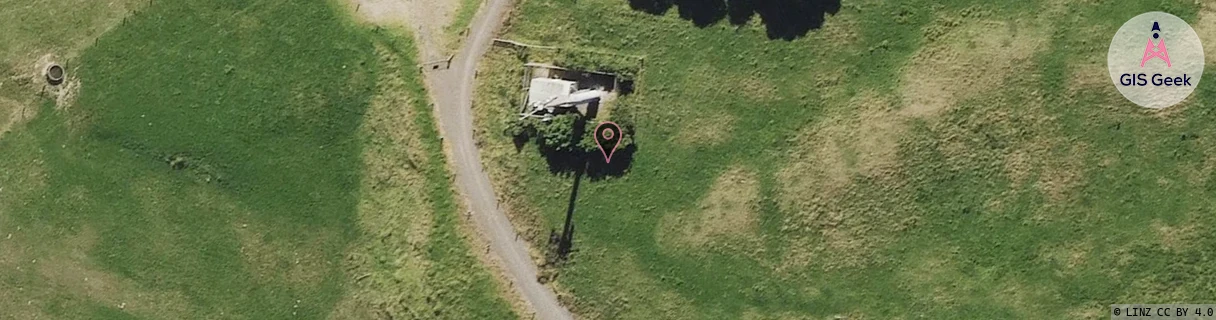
(54, 74)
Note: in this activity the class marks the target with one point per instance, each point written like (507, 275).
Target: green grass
(264, 100)
(946, 234)
(473, 290)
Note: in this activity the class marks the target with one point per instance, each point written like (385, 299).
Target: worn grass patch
(964, 55)
(1205, 27)
(706, 130)
(728, 213)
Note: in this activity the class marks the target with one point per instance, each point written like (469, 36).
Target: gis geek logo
(1155, 51)
(1158, 50)
(1144, 70)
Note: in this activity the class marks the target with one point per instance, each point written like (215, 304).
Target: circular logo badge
(1155, 60)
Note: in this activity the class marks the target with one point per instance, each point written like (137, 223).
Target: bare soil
(426, 19)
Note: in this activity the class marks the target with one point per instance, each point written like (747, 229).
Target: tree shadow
(783, 19)
(622, 159)
(590, 163)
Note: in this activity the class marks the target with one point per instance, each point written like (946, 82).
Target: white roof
(544, 89)
(577, 97)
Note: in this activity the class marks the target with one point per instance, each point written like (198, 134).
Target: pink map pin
(607, 134)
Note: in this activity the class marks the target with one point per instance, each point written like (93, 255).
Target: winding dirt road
(452, 92)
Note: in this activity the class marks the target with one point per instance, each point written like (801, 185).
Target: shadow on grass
(561, 245)
(783, 19)
(591, 164)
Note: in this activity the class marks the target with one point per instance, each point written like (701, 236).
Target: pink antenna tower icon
(1156, 51)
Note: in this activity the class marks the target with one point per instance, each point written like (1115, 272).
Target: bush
(558, 134)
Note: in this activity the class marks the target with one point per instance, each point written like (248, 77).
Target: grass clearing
(709, 130)
(1012, 192)
(728, 212)
(232, 167)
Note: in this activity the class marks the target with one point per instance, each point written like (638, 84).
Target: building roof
(543, 90)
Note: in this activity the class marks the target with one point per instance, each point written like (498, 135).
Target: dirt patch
(426, 19)
(963, 58)
(706, 131)
(1018, 165)
(21, 89)
(64, 93)
(25, 51)
(1088, 75)
(727, 212)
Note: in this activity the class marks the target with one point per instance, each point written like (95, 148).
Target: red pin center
(607, 137)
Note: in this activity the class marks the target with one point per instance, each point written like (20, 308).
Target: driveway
(452, 92)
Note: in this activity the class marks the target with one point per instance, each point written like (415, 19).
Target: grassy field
(936, 159)
(232, 160)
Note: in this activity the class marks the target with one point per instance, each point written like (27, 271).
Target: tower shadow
(562, 244)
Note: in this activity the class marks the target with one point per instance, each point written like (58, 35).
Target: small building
(550, 96)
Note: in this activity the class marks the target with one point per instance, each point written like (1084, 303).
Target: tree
(559, 134)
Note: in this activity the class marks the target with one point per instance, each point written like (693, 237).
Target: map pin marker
(607, 134)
